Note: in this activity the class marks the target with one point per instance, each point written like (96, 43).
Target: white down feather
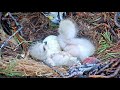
(51, 53)
(77, 47)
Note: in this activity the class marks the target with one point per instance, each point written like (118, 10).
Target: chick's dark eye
(45, 43)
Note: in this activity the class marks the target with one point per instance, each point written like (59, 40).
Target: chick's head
(38, 51)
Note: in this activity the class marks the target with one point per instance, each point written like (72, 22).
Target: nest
(36, 27)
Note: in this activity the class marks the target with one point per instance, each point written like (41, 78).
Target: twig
(117, 15)
(97, 76)
(102, 24)
(104, 68)
(115, 73)
(116, 63)
(0, 54)
(57, 71)
(21, 43)
(13, 19)
(5, 42)
(110, 76)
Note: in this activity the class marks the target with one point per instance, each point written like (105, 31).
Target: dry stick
(110, 76)
(115, 19)
(115, 73)
(38, 20)
(0, 54)
(6, 41)
(13, 19)
(104, 68)
(17, 35)
(112, 31)
(21, 43)
(102, 24)
(116, 63)
(13, 33)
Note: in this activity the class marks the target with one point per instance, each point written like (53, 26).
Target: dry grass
(33, 68)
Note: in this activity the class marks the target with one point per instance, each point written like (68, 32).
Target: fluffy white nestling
(50, 52)
(37, 51)
(78, 47)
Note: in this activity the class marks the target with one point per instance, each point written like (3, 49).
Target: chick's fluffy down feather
(52, 45)
(62, 58)
(55, 56)
(80, 47)
(77, 47)
(37, 51)
(67, 29)
(49, 51)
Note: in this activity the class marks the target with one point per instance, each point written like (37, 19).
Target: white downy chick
(77, 47)
(80, 47)
(50, 52)
(43, 50)
(55, 56)
(37, 51)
